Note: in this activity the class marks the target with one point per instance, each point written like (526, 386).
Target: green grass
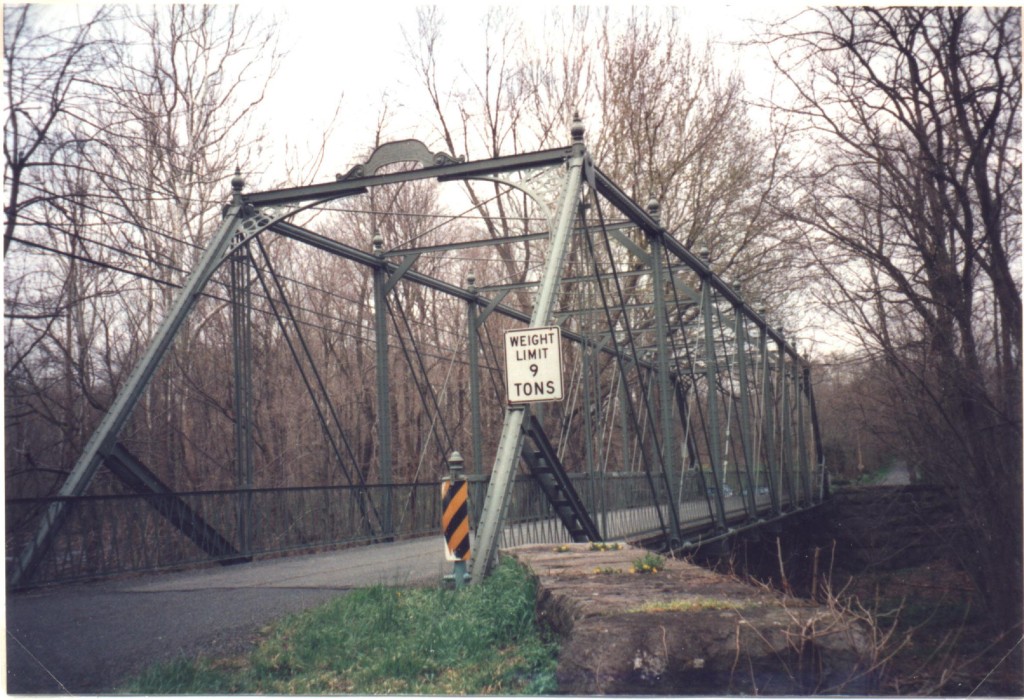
(477, 641)
(687, 605)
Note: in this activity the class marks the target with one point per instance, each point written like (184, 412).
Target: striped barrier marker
(455, 518)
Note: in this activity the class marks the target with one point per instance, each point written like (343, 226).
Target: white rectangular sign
(533, 365)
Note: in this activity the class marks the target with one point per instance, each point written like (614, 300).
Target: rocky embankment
(686, 630)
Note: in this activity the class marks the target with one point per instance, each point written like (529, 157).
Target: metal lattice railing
(111, 535)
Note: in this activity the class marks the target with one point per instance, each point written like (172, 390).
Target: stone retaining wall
(685, 630)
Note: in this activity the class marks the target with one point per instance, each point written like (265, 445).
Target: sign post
(533, 365)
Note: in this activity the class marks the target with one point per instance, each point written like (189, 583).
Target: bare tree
(676, 128)
(127, 153)
(46, 72)
(664, 121)
(176, 118)
(911, 209)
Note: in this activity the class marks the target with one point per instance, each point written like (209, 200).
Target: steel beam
(473, 335)
(241, 326)
(768, 426)
(785, 424)
(819, 451)
(801, 437)
(381, 284)
(711, 383)
(328, 245)
(510, 444)
(476, 243)
(745, 425)
(622, 274)
(590, 411)
(667, 443)
(134, 474)
(610, 191)
(347, 187)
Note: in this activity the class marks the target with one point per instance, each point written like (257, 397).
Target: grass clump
(648, 564)
(687, 605)
(432, 641)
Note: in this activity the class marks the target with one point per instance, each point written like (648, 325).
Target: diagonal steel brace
(510, 445)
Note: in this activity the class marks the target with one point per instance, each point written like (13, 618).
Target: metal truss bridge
(685, 418)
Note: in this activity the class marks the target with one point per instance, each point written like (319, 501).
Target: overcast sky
(357, 52)
(352, 54)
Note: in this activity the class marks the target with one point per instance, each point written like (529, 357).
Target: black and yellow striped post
(455, 518)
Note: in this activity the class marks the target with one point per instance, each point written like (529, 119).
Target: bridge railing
(109, 535)
(117, 534)
(112, 535)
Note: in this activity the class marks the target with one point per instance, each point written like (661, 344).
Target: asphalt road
(87, 639)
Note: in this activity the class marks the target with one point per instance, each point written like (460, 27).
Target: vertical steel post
(801, 438)
(241, 326)
(785, 424)
(768, 422)
(819, 451)
(474, 372)
(510, 445)
(711, 381)
(745, 428)
(624, 418)
(380, 320)
(589, 413)
(667, 442)
(105, 435)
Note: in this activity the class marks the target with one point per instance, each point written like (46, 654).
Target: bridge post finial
(705, 256)
(654, 209)
(237, 184)
(577, 128)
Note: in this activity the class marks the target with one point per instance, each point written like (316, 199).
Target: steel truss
(673, 376)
